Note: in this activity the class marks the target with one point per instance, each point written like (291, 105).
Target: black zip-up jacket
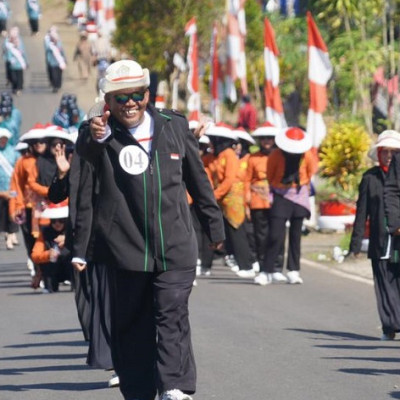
(370, 207)
(142, 222)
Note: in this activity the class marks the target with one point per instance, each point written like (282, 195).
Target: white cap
(293, 140)
(124, 74)
(5, 133)
(388, 138)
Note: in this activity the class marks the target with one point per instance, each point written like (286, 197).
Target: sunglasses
(124, 98)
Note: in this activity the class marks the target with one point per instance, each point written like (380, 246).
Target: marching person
(289, 171)
(145, 161)
(16, 61)
(33, 11)
(55, 58)
(258, 197)
(4, 16)
(229, 193)
(8, 158)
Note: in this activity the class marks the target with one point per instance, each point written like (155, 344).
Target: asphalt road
(319, 340)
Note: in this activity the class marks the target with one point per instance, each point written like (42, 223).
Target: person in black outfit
(371, 206)
(145, 160)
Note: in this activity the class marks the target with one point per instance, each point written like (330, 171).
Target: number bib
(133, 160)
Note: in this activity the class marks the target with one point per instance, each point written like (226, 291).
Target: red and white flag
(273, 103)
(103, 13)
(236, 49)
(215, 75)
(80, 8)
(193, 76)
(319, 73)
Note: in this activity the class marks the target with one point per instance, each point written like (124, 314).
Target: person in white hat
(8, 158)
(257, 195)
(289, 171)
(50, 251)
(371, 206)
(145, 161)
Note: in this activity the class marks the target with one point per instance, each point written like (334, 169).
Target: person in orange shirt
(50, 251)
(229, 193)
(289, 171)
(258, 197)
(242, 149)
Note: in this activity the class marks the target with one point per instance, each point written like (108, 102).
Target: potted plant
(343, 160)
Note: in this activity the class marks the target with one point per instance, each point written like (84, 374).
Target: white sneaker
(278, 277)
(198, 270)
(205, 271)
(175, 394)
(294, 277)
(262, 279)
(246, 273)
(195, 283)
(114, 381)
(388, 336)
(256, 266)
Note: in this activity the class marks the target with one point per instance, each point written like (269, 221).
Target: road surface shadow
(59, 386)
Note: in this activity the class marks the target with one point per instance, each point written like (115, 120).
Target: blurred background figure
(33, 11)
(8, 158)
(55, 58)
(83, 55)
(4, 15)
(247, 115)
(16, 61)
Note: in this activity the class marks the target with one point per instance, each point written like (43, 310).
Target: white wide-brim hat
(20, 146)
(388, 138)
(204, 139)
(33, 134)
(5, 133)
(242, 134)
(221, 130)
(266, 129)
(124, 74)
(54, 131)
(193, 124)
(55, 211)
(293, 140)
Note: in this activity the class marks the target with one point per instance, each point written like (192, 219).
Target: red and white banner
(215, 84)
(273, 103)
(103, 13)
(80, 8)
(319, 73)
(193, 76)
(236, 49)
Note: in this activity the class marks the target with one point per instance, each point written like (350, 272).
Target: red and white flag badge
(174, 156)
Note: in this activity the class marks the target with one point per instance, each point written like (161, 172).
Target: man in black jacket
(145, 160)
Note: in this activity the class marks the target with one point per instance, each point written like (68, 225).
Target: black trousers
(206, 253)
(17, 79)
(387, 291)
(282, 211)
(260, 218)
(6, 223)
(150, 331)
(237, 239)
(34, 24)
(55, 76)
